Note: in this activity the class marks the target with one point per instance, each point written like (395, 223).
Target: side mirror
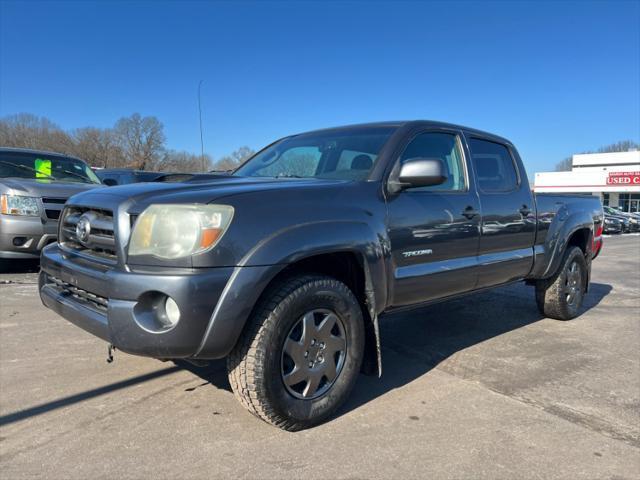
(419, 172)
(109, 182)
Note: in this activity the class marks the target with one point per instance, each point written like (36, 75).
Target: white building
(614, 177)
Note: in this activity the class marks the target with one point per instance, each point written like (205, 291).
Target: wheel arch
(569, 229)
(326, 248)
(351, 268)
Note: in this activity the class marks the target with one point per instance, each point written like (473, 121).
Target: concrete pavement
(480, 387)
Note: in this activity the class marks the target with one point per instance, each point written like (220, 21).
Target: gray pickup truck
(34, 185)
(286, 266)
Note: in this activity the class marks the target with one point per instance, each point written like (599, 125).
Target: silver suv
(34, 185)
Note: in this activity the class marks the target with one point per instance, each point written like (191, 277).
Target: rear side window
(494, 166)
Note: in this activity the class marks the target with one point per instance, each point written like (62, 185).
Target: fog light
(172, 310)
(19, 241)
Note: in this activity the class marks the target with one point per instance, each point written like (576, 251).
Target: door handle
(525, 211)
(469, 212)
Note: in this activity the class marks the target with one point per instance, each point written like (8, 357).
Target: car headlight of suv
(176, 231)
(19, 205)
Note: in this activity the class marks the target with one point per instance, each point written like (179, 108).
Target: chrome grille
(100, 240)
(91, 299)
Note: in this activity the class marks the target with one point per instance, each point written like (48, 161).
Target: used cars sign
(623, 178)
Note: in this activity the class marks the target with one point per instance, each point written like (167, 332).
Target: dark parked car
(124, 176)
(34, 185)
(630, 223)
(189, 177)
(612, 224)
(286, 266)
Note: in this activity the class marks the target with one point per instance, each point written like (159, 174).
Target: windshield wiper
(76, 175)
(24, 167)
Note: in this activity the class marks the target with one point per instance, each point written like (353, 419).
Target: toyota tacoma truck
(34, 185)
(286, 266)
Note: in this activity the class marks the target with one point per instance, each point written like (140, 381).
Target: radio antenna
(201, 137)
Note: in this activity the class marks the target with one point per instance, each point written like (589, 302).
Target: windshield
(46, 168)
(347, 154)
(612, 211)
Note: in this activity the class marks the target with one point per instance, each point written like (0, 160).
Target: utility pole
(201, 137)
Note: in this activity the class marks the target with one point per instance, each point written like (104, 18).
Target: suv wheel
(300, 353)
(561, 296)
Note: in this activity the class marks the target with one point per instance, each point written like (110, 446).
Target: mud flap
(372, 361)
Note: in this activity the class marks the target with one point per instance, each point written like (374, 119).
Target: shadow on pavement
(416, 342)
(19, 266)
(80, 397)
(421, 339)
(214, 373)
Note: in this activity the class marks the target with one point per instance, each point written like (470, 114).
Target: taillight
(596, 243)
(599, 230)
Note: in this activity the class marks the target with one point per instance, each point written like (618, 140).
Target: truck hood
(43, 188)
(143, 194)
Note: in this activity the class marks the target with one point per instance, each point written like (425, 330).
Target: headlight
(174, 231)
(19, 205)
(633, 220)
(606, 220)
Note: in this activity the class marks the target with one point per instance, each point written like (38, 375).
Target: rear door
(508, 217)
(434, 231)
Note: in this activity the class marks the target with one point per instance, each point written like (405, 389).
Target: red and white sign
(616, 172)
(623, 178)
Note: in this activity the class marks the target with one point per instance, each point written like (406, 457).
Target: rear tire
(300, 354)
(561, 296)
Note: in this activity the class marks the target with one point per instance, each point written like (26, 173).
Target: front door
(434, 231)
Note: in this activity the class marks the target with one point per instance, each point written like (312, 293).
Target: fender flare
(558, 236)
(274, 253)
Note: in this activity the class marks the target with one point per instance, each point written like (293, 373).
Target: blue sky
(554, 77)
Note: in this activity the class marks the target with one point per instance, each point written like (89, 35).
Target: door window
(445, 147)
(354, 160)
(494, 166)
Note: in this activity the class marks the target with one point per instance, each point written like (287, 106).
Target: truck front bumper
(24, 237)
(122, 307)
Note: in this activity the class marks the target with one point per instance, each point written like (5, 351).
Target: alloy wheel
(313, 354)
(573, 284)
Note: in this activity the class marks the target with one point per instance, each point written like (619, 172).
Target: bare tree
(234, 159)
(142, 140)
(621, 146)
(99, 147)
(135, 142)
(182, 162)
(565, 165)
(24, 130)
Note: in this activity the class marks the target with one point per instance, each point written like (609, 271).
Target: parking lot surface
(479, 387)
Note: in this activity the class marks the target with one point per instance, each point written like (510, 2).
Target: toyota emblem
(83, 229)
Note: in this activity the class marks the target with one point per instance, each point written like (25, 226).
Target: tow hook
(110, 351)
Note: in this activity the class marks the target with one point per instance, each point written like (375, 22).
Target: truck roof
(412, 123)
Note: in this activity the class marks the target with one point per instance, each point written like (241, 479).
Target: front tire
(299, 356)
(561, 296)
